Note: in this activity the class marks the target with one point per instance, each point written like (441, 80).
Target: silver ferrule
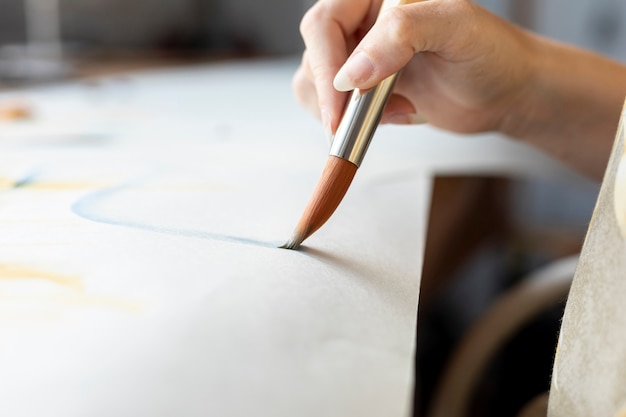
(359, 121)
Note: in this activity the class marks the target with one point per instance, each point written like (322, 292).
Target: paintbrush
(354, 134)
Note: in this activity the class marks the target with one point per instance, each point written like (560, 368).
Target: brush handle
(359, 121)
(363, 113)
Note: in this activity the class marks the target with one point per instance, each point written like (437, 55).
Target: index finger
(330, 29)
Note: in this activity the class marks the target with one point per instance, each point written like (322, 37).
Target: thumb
(398, 34)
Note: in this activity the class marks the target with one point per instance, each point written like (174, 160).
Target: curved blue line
(83, 206)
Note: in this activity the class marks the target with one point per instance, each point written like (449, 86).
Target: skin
(465, 70)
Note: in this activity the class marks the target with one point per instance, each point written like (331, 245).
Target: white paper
(139, 268)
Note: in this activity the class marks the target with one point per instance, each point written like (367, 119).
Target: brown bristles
(331, 187)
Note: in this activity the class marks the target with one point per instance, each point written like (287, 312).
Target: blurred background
(43, 39)
(51, 38)
(505, 229)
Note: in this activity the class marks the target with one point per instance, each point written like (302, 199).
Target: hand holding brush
(464, 69)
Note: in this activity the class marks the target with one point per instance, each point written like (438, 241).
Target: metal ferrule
(360, 119)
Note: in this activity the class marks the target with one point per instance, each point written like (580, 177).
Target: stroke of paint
(61, 302)
(30, 181)
(20, 272)
(88, 207)
(7, 183)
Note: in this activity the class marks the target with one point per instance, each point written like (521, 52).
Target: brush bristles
(332, 186)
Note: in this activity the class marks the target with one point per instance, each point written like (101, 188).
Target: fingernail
(359, 68)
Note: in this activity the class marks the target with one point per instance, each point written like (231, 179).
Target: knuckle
(304, 90)
(312, 18)
(399, 27)
(297, 81)
(300, 84)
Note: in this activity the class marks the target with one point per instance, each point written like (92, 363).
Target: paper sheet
(589, 374)
(139, 274)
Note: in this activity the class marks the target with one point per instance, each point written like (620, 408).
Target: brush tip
(295, 240)
(292, 244)
(328, 193)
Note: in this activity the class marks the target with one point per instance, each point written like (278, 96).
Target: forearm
(571, 107)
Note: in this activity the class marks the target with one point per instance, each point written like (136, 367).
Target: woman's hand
(464, 68)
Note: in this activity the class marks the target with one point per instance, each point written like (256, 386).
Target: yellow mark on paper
(188, 187)
(61, 302)
(20, 272)
(26, 307)
(59, 185)
(45, 309)
(15, 111)
(621, 412)
(86, 300)
(6, 183)
(12, 183)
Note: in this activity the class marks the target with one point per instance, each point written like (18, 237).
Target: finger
(399, 104)
(325, 29)
(304, 89)
(401, 32)
(399, 110)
